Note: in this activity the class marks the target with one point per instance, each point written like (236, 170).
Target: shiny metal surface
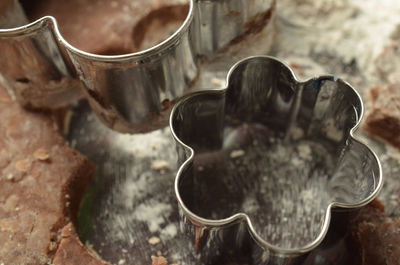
(130, 92)
(272, 157)
(124, 161)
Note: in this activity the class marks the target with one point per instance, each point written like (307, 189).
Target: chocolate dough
(384, 119)
(41, 184)
(109, 27)
(375, 236)
(72, 252)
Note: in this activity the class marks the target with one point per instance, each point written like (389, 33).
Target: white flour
(152, 214)
(327, 36)
(288, 205)
(347, 30)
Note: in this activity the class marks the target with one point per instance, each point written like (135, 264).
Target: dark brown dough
(72, 252)
(41, 184)
(383, 121)
(376, 237)
(108, 27)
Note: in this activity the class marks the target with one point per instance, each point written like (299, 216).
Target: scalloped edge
(41, 23)
(245, 217)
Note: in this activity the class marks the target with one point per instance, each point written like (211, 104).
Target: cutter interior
(275, 149)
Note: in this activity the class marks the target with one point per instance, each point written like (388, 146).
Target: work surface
(130, 212)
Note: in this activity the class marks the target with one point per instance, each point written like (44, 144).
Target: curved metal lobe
(274, 155)
(130, 92)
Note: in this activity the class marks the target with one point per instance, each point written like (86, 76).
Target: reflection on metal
(129, 92)
(273, 155)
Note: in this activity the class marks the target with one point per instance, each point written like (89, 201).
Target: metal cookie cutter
(271, 158)
(130, 92)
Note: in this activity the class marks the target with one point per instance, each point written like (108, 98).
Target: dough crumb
(41, 154)
(23, 165)
(10, 177)
(154, 240)
(237, 153)
(158, 261)
(161, 165)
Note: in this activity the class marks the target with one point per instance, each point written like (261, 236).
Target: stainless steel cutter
(270, 158)
(129, 92)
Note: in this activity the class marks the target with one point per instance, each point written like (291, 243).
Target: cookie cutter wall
(264, 99)
(130, 92)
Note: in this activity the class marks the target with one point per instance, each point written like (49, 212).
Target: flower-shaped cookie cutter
(129, 92)
(270, 157)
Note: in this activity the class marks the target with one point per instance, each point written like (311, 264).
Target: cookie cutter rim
(241, 216)
(156, 76)
(24, 29)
